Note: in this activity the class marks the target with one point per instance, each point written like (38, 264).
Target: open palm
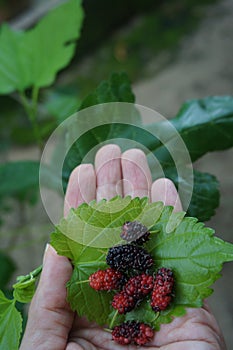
(51, 324)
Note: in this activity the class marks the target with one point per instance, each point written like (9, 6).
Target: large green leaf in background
(33, 58)
(206, 125)
(205, 194)
(116, 89)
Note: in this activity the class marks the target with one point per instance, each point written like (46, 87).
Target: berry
(108, 279)
(162, 290)
(139, 286)
(135, 232)
(133, 292)
(128, 256)
(123, 302)
(132, 332)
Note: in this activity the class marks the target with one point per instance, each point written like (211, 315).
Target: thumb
(50, 317)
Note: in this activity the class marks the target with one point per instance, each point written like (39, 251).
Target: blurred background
(171, 51)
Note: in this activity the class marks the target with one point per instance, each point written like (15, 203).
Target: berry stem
(113, 319)
(107, 330)
(33, 274)
(80, 282)
(102, 251)
(154, 231)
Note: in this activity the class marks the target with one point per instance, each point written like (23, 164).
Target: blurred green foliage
(30, 60)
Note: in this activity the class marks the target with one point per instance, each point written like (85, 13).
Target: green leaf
(65, 246)
(34, 57)
(145, 314)
(181, 243)
(116, 89)
(7, 267)
(195, 256)
(24, 288)
(99, 224)
(13, 73)
(52, 52)
(206, 125)
(84, 299)
(205, 197)
(205, 193)
(23, 292)
(10, 324)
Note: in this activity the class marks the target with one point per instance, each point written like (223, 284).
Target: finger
(81, 187)
(50, 316)
(136, 173)
(164, 190)
(108, 172)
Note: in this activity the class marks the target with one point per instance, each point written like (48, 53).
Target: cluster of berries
(129, 275)
(132, 332)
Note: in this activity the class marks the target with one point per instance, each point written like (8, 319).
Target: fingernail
(48, 250)
(45, 252)
(46, 247)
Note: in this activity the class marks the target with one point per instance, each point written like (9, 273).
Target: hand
(51, 324)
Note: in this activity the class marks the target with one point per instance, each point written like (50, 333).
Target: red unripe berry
(123, 302)
(162, 290)
(108, 279)
(139, 286)
(133, 292)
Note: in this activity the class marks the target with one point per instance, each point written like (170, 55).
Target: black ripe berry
(162, 290)
(135, 232)
(127, 257)
(132, 332)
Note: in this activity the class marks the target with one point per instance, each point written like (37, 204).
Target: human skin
(51, 323)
